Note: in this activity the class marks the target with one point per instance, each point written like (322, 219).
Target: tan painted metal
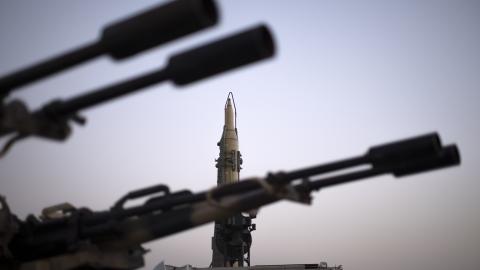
(229, 162)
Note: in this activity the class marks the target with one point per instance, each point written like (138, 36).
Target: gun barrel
(120, 228)
(234, 51)
(226, 54)
(49, 67)
(152, 227)
(390, 154)
(125, 38)
(158, 26)
(448, 156)
(95, 97)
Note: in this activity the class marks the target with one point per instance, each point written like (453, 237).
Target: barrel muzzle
(225, 54)
(157, 26)
(393, 155)
(448, 156)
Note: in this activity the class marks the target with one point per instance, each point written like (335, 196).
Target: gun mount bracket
(141, 193)
(57, 211)
(299, 193)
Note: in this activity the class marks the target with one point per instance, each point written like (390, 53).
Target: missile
(231, 239)
(230, 160)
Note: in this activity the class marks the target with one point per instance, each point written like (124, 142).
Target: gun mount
(65, 237)
(123, 39)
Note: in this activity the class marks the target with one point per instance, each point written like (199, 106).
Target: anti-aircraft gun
(121, 40)
(65, 237)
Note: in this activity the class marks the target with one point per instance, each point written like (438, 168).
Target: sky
(347, 75)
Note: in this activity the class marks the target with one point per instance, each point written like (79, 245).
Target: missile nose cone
(229, 113)
(230, 161)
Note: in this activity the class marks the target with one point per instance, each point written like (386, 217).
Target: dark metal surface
(125, 38)
(52, 121)
(72, 230)
(240, 49)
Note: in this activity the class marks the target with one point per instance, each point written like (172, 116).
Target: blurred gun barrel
(388, 154)
(385, 158)
(447, 156)
(125, 38)
(413, 155)
(167, 213)
(158, 26)
(52, 120)
(401, 158)
(225, 54)
(230, 199)
(220, 56)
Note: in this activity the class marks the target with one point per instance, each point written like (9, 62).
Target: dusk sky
(347, 75)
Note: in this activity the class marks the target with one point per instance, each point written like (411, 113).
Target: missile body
(232, 239)
(230, 160)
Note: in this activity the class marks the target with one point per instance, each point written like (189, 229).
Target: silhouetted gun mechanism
(66, 237)
(126, 38)
(52, 121)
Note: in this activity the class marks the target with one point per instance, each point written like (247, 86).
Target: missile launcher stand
(231, 241)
